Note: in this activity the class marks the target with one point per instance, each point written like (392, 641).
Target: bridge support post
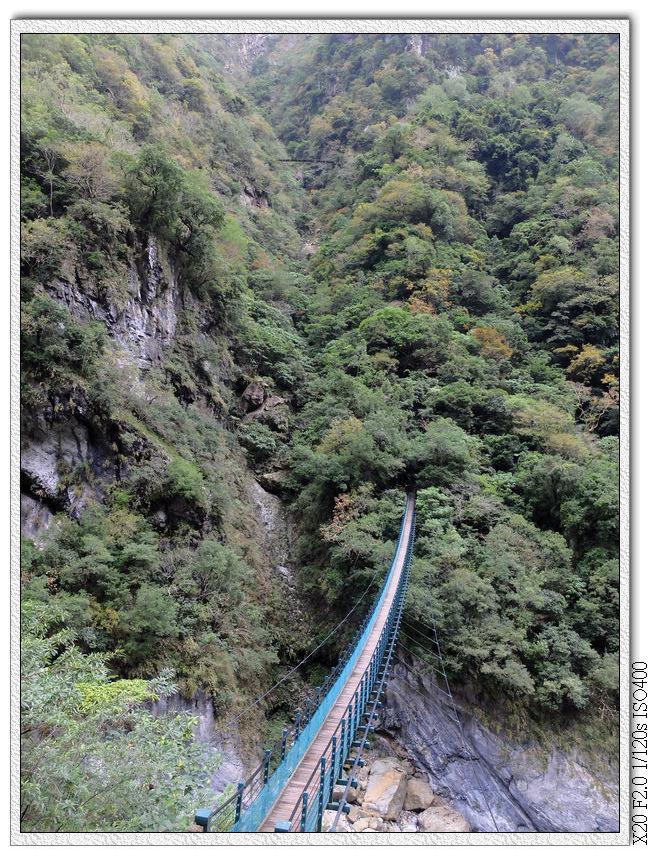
(321, 794)
(303, 816)
(202, 819)
(283, 753)
(240, 795)
(267, 760)
(333, 770)
(341, 755)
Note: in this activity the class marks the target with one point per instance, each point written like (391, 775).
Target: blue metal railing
(354, 728)
(246, 808)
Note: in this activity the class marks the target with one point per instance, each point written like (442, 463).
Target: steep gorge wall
(273, 530)
(144, 318)
(68, 456)
(495, 783)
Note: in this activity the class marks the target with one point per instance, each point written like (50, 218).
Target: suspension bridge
(294, 785)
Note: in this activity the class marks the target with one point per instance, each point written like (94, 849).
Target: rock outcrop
(258, 403)
(386, 790)
(496, 784)
(231, 768)
(143, 318)
(392, 797)
(66, 461)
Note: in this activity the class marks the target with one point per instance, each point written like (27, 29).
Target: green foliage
(57, 349)
(42, 248)
(109, 695)
(445, 453)
(184, 479)
(260, 442)
(432, 290)
(271, 346)
(150, 621)
(164, 200)
(93, 757)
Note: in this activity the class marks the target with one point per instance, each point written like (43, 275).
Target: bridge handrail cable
(249, 803)
(318, 790)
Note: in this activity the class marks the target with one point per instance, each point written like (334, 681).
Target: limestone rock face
(441, 817)
(232, 767)
(35, 516)
(67, 458)
(65, 461)
(495, 783)
(419, 795)
(386, 791)
(43, 457)
(143, 320)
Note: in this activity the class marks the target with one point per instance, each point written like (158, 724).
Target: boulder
(372, 824)
(419, 795)
(338, 791)
(441, 817)
(254, 396)
(343, 825)
(357, 813)
(274, 482)
(381, 747)
(386, 790)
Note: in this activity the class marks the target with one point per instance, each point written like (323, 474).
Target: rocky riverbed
(393, 796)
(496, 783)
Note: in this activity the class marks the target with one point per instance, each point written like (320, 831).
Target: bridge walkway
(288, 799)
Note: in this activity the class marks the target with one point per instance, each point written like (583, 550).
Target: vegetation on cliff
(392, 260)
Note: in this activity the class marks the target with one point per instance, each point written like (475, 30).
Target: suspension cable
(470, 752)
(288, 675)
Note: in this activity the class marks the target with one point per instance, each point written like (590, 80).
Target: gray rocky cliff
(274, 531)
(66, 461)
(66, 458)
(232, 767)
(142, 315)
(495, 783)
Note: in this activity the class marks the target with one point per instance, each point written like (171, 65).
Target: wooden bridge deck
(287, 800)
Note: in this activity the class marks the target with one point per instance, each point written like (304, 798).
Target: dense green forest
(403, 252)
